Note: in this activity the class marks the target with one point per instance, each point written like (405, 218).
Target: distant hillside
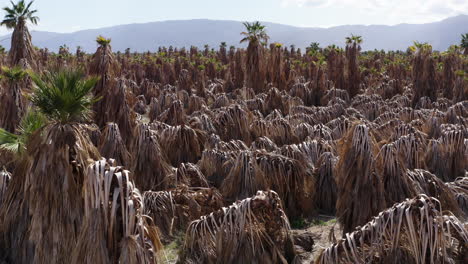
(149, 36)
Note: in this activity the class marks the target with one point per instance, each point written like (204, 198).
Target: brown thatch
(254, 230)
(360, 189)
(150, 166)
(460, 188)
(182, 144)
(116, 108)
(115, 228)
(173, 210)
(396, 184)
(326, 190)
(21, 45)
(415, 231)
(189, 174)
(215, 166)
(46, 188)
(430, 185)
(5, 178)
(112, 145)
(447, 156)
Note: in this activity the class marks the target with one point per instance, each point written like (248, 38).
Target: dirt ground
(324, 229)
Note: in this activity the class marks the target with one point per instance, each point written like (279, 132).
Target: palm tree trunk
(21, 45)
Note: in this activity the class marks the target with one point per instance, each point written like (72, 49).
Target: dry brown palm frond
(427, 183)
(21, 45)
(182, 144)
(281, 132)
(113, 147)
(202, 121)
(326, 190)
(391, 169)
(160, 206)
(140, 106)
(114, 214)
(339, 127)
(13, 104)
(116, 108)
(233, 145)
(447, 157)
(5, 178)
(233, 123)
(154, 110)
(189, 174)
(245, 177)
(414, 231)
(94, 133)
(360, 190)
(173, 210)
(150, 166)
(254, 230)
(215, 165)
(174, 115)
(46, 188)
(321, 131)
(411, 149)
(460, 188)
(292, 179)
(264, 143)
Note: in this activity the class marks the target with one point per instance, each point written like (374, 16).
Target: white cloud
(409, 11)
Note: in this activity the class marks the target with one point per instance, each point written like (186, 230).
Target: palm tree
(11, 99)
(16, 18)
(64, 96)
(464, 43)
(256, 36)
(57, 154)
(353, 39)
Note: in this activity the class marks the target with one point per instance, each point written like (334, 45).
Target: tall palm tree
(55, 159)
(16, 18)
(464, 43)
(256, 35)
(353, 47)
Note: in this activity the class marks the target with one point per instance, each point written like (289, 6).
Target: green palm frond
(14, 73)
(464, 41)
(9, 141)
(19, 12)
(255, 32)
(31, 122)
(64, 96)
(103, 41)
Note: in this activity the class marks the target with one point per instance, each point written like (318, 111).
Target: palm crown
(353, 39)
(255, 33)
(464, 41)
(19, 12)
(64, 96)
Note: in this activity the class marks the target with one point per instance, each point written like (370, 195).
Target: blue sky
(73, 15)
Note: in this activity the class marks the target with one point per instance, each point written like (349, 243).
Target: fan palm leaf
(64, 96)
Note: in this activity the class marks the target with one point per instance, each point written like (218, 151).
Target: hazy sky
(73, 15)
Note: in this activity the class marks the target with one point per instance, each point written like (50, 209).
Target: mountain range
(186, 33)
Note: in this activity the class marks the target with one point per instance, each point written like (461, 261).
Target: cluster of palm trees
(229, 146)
